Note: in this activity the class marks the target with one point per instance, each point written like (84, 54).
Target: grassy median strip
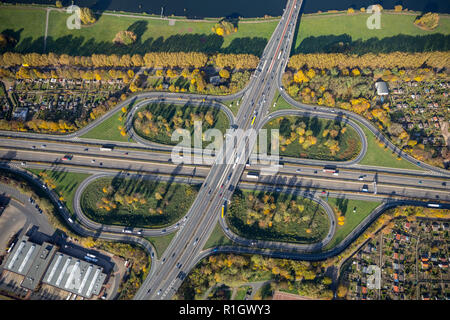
(279, 103)
(379, 155)
(161, 243)
(110, 129)
(217, 238)
(64, 183)
(353, 211)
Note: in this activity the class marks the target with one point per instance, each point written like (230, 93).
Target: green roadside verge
(354, 211)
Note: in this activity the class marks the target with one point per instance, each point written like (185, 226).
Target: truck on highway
(223, 208)
(107, 147)
(331, 169)
(253, 175)
(434, 205)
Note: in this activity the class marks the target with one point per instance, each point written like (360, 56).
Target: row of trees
(150, 60)
(437, 59)
(230, 269)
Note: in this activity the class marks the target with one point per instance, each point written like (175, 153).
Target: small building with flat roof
(382, 89)
(45, 264)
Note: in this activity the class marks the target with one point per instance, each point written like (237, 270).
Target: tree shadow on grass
(345, 44)
(82, 46)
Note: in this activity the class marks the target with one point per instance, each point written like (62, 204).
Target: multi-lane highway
(204, 213)
(229, 170)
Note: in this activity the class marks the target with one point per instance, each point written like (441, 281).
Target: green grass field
(380, 156)
(232, 105)
(348, 142)
(153, 34)
(329, 27)
(161, 243)
(26, 25)
(352, 219)
(241, 292)
(217, 238)
(280, 103)
(109, 129)
(66, 183)
(136, 202)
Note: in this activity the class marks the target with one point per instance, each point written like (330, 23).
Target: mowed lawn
(161, 243)
(109, 129)
(26, 25)
(381, 156)
(352, 219)
(66, 183)
(355, 26)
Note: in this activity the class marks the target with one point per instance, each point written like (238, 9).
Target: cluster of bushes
(299, 277)
(315, 138)
(428, 21)
(157, 122)
(136, 202)
(125, 38)
(224, 28)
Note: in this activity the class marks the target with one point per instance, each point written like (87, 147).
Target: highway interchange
(305, 177)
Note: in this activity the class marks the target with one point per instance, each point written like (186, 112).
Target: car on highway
(181, 275)
(365, 188)
(159, 292)
(44, 146)
(163, 230)
(298, 170)
(23, 163)
(93, 161)
(361, 178)
(179, 265)
(67, 157)
(86, 149)
(33, 147)
(195, 242)
(70, 220)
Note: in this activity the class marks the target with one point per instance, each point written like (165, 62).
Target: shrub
(428, 21)
(125, 38)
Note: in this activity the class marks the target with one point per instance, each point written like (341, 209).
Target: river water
(243, 8)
